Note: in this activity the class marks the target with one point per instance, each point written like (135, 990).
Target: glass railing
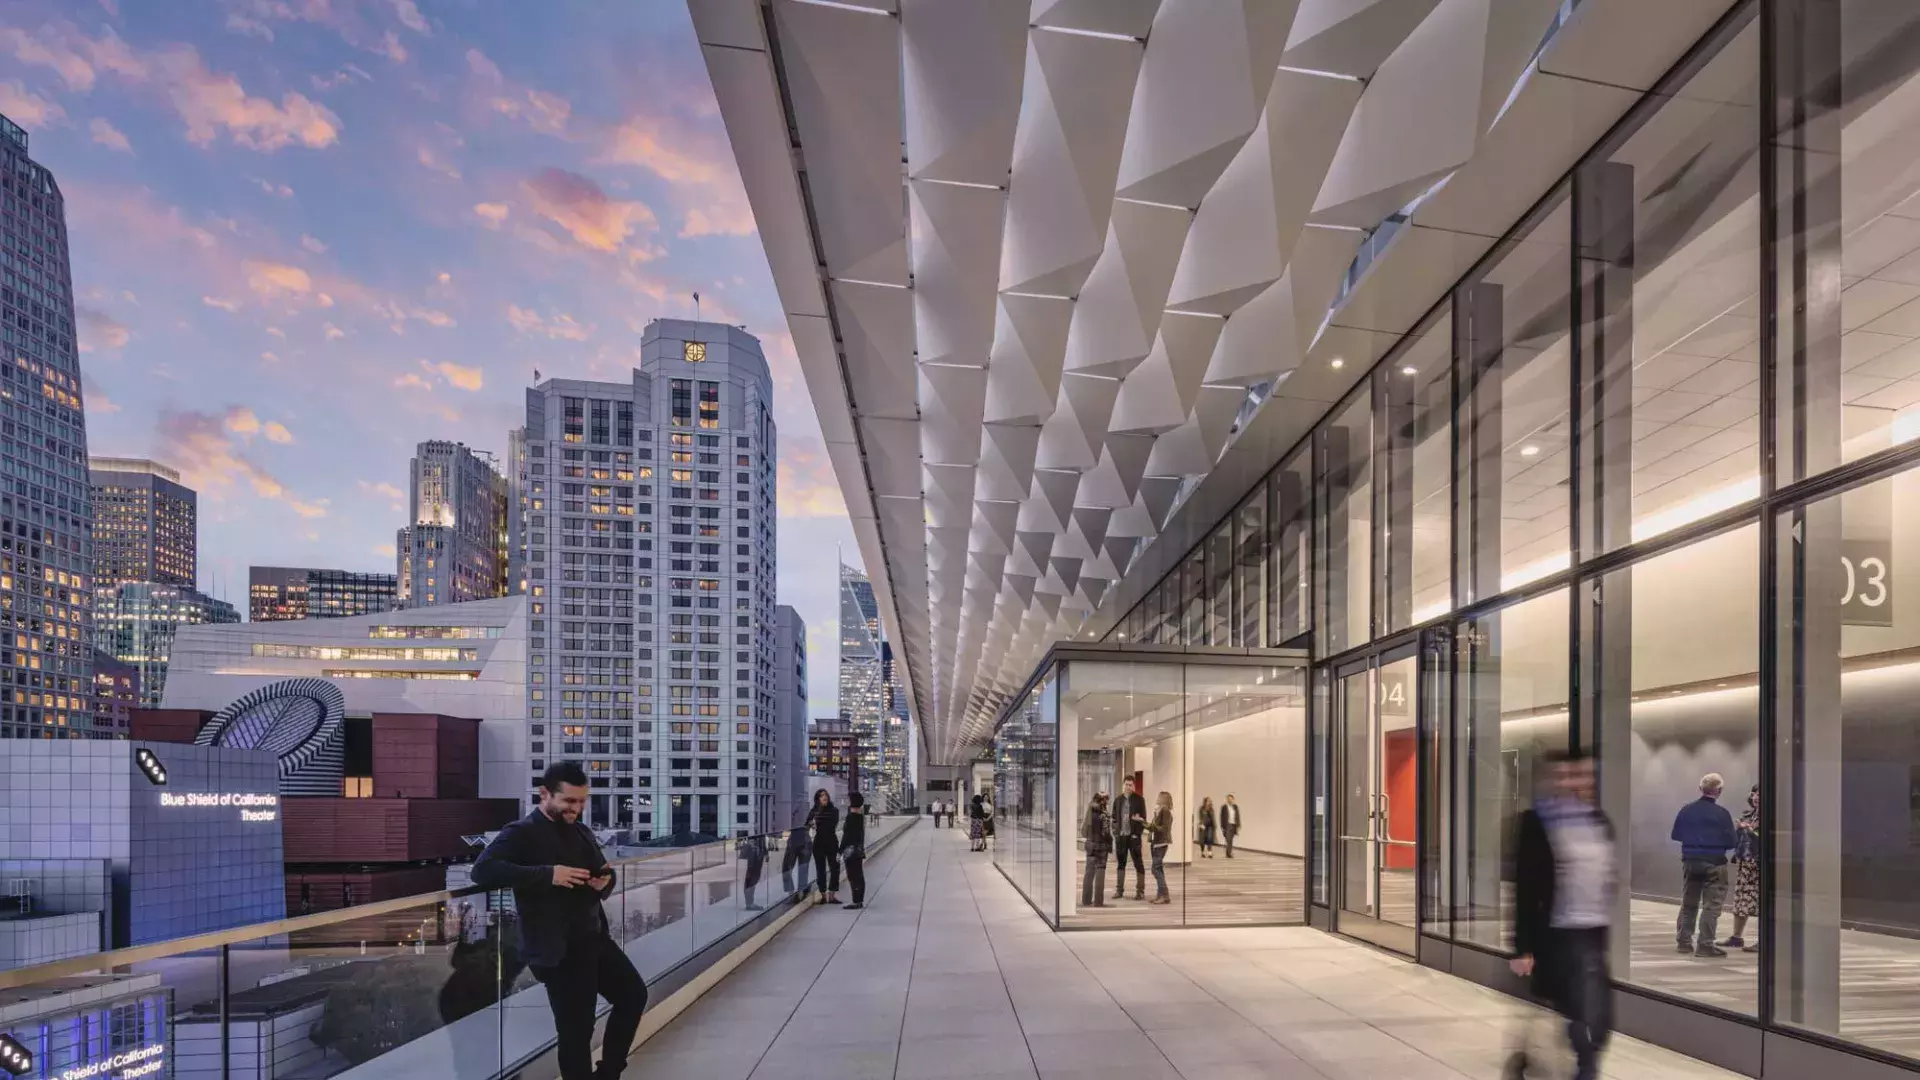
(429, 986)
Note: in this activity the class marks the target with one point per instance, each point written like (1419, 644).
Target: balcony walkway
(949, 973)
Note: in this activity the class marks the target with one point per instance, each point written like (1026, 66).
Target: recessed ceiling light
(1409, 370)
(1338, 363)
(1529, 451)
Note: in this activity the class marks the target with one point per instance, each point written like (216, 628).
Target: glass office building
(1634, 486)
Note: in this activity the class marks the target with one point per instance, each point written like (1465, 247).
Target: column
(1393, 447)
(1804, 805)
(1603, 610)
(1072, 801)
(1478, 326)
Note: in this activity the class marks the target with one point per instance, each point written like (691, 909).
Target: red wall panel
(166, 725)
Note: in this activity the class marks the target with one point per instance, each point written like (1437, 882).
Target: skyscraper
(648, 525)
(454, 548)
(863, 687)
(302, 592)
(790, 713)
(135, 622)
(46, 563)
(145, 523)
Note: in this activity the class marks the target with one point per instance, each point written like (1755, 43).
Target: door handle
(1386, 825)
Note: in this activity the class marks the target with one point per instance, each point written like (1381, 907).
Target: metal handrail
(18, 978)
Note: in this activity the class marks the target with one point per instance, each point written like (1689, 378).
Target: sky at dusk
(308, 234)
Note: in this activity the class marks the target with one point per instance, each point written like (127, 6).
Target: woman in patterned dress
(1746, 870)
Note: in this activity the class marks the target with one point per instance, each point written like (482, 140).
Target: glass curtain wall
(1025, 789)
(1216, 754)
(1644, 478)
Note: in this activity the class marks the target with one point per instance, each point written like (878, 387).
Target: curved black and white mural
(301, 722)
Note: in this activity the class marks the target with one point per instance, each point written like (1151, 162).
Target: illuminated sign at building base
(146, 1061)
(252, 807)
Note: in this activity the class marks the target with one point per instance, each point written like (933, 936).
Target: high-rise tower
(454, 548)
(646, 518)
(46, 514)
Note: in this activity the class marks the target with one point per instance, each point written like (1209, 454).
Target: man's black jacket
(522, 858)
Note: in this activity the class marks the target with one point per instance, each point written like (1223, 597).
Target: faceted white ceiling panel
(1042, 259)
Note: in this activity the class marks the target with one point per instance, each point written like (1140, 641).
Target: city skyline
(302, 245)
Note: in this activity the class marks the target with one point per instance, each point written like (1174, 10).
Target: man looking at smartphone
(553, 864)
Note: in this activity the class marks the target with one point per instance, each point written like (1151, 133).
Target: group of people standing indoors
(1117, 828)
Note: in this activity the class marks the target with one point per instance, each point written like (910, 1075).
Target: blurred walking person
(824, 820)
(1567, 876)
(1098, 833)
(798, 853)
(1205, 827)
(558, 875)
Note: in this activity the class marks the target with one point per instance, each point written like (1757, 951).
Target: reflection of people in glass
(799, 853)
(1566, 875)
(1204, 824)
(1129, 821)
(1229, 823)
(1746, 873)
(1159, 838)
(753, 851)
(1098, 834)
(1705, 833)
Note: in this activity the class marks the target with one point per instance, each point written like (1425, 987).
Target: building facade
(136, 623)
(649, 513)
(116, 690)
(279, 593)
(46, 567)
(460, 660)
(864, 699)
(454, 548)
(145, 523)
(790, 727)
(834, 749)
(151, 840)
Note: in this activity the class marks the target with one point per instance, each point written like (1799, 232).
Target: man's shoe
(855, 907)
(1709, 951)
(1734, 942)
(1686, 946)
(1755, 947)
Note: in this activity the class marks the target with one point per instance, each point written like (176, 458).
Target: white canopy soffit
(1051, 264)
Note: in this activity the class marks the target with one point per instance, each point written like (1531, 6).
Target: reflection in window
(1510, 704)
(1343, 464)
(1859, 389)
(1416, 389)
(1516, 336)
(1291, 498)
(1023, 797)
(1672, 260)
(1250, 571)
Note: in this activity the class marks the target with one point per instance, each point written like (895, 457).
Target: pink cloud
(558, 326)
(109, 136)
(209, 102)
(491, 213)
(209, 449)
(807, 487)
(696, 164)
(28, 109)
(458, 376)
(584, 211)
(542, 110)
(99, 330)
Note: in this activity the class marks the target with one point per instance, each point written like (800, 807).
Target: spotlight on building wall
(150, 765)
(14, 1058)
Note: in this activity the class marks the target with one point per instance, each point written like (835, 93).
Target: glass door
(1378, 763)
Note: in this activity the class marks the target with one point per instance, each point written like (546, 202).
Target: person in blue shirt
(1704, 830)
